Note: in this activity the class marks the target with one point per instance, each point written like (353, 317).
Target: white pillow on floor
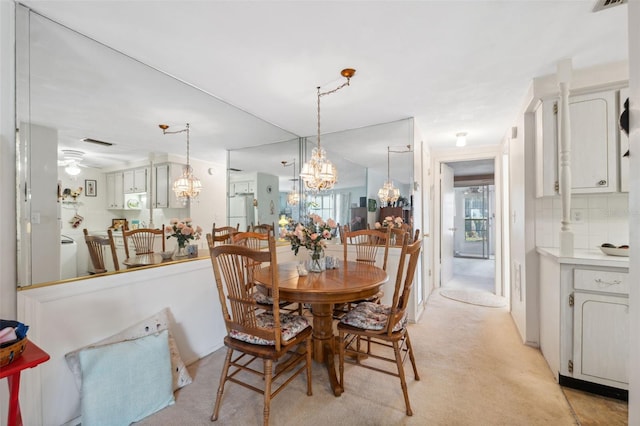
(152, 325)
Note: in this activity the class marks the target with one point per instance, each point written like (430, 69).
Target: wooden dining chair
(96, 245)
(254, 334)
(222, 235)
(258, 241)
(143, 239)
(383, 326)
(263, 228)
(366, 242)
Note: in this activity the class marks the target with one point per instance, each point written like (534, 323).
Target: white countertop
(585, 257)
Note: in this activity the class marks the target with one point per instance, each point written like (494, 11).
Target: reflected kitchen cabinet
(165, 175)
(135, 181)
(115, 190)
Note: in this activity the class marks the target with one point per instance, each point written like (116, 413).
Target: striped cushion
(290, 326)
(371, 316)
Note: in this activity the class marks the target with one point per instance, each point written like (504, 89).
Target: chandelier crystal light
(388, 194)
(319, 174)
(187, 187)
(293, 197)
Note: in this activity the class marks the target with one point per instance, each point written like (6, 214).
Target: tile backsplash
(595, 219)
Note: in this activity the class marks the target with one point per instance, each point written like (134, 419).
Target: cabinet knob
(602, 182)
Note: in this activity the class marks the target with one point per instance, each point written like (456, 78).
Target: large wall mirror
(71, 88)
(360, 156)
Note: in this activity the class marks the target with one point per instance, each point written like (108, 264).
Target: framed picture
(90, 188)
(119, 224)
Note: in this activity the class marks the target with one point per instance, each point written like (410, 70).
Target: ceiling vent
(97, 142)
(607, 4)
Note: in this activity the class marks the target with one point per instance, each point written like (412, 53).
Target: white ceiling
(456, 66)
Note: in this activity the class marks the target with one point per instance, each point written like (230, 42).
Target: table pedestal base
(324, 342)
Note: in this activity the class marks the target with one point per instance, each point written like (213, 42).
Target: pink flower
(168, 229)
(388, 218)
(331, 223)
(173, 221)
(326, 234)
(180, 225)
(186, 230)
(313, 236)
(398, 220)
(198, 229)
(187, 220)
(378, 225)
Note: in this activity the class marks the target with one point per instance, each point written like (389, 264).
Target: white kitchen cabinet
(584, 319)
(245, 187)
(163, 195)
(600, 338)
(115, 192)
(135, 180)
(594, 148)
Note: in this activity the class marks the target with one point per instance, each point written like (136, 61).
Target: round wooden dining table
(350, 281)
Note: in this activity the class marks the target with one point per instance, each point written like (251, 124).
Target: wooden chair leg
(223, 379)
(341, 343)
(403, 382)
(268, 366)
(411, 357)
(309, 365)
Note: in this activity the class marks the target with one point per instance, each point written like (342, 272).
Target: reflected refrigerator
(241, 211)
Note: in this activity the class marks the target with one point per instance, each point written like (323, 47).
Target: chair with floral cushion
(222, 235)
(383, 325)
(253, 334)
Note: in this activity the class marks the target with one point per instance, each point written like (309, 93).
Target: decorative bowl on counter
(166, 255)
(611, 250)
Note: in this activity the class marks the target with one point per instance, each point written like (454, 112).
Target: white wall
(634, 210)
(65, 317)
(7, 164)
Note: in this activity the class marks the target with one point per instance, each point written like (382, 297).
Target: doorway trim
(493, 152)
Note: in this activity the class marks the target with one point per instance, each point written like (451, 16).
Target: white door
(447, 215)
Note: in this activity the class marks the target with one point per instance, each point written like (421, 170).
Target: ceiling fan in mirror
(71, 161)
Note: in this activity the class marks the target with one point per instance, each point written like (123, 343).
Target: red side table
(31, 357)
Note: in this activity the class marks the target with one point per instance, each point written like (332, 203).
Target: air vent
(231, 169)
(607, 4)
(97, 142)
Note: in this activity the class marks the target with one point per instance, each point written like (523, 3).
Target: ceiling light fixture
(461, 139)
(319, 174)
(293, 197)
(388, 194)
(187, 187)
(72, 159)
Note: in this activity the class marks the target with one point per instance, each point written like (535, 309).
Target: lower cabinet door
(600, 339)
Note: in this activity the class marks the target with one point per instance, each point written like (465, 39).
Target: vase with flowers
(183, 231)
(313, 237)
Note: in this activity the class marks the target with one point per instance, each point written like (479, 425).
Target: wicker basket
(12, 352)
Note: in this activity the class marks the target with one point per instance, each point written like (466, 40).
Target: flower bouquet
(390, 221)
(183, 231)
(313, 237)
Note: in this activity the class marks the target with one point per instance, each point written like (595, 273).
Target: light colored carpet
(473, 367)
(474, 297)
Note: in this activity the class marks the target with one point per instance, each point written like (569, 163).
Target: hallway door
(447, 228)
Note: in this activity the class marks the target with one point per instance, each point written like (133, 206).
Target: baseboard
(596, 388)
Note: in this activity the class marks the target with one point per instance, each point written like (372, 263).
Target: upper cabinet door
(594, 148)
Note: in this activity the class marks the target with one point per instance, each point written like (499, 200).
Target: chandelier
(187, 187)
(319, 174)
(293, 197)
(388, 194)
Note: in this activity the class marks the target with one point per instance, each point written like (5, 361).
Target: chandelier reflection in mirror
(293, 197)
(319, 174)
(389, 194)
(187, 187)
